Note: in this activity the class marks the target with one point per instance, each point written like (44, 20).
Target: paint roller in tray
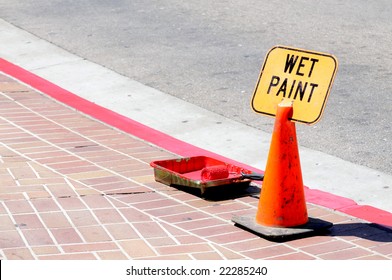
(218, 172)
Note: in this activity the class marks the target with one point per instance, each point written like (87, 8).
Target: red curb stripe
(370, 213)
(328, 200)
(176, 146)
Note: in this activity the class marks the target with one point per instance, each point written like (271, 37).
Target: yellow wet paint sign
(304, 77)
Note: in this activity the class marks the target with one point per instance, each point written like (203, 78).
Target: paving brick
(136, 173)
(294, 256)
(55, 220)
(14, 193)
(35, 194)
(27, 221)
(161, 241)
(38, 237)
(125, 189)
(104, 180)
(95, 173)
(127, 165)
(66, 235)
(71, 171)
(133, 215)
(166, 211)
(6, 223)
(229, 215)
(2, 210)
(137, 248)
(385, 249)
(144, 179)
(11, 239)
(337, 219)
(351, 253)
(77, 256)
(172, 229)
(94, 234)
(18, 254)
(45, 250)
(45, 205)
(150, 229)
(92, 247)
(231, 237)
(87, 191)
(80, 148)
(268, 252)
(121, 231)
(190, 199)
(186, 217)
(61, 189)
(189, 248)
(82, 218)
(42, 171)
(40, 181)
(11, 86)
(250, 244)
(71, 203)
(228, 254)
(109, 157)
(189, 239)
(374, 240)
(116, 203)
(207, 256)
(29, 145)
(142, 197)
(331, 246)
(19, 206)
(7, 180)
(225, 208)
(155, 204)
(78, 163)
(112, 255)
(16, 138)
(108, 216)
(96, 201)
(170, 257)
(215, 230)
(312, 240)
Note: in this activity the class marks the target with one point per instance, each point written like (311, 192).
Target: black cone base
(312, 227)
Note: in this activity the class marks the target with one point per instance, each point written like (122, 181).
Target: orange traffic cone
(282, 200)
(282, 213)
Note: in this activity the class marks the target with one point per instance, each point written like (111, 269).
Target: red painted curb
(370, 213)
(176, 146)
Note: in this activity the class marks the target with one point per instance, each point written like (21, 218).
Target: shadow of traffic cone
(282, 199)
(282, 212)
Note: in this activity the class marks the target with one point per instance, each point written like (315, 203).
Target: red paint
(328, 200)
(174, 145)
(214, 173)
(370, 213)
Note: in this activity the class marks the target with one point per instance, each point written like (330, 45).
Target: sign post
(305, 77)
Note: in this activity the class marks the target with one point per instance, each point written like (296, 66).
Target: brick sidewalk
(72, 187)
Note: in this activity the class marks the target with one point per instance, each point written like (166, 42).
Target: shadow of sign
(369, 231)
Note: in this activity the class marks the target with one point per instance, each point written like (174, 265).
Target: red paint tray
(187, 172)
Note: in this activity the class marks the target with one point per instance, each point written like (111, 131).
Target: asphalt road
(210, 53)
